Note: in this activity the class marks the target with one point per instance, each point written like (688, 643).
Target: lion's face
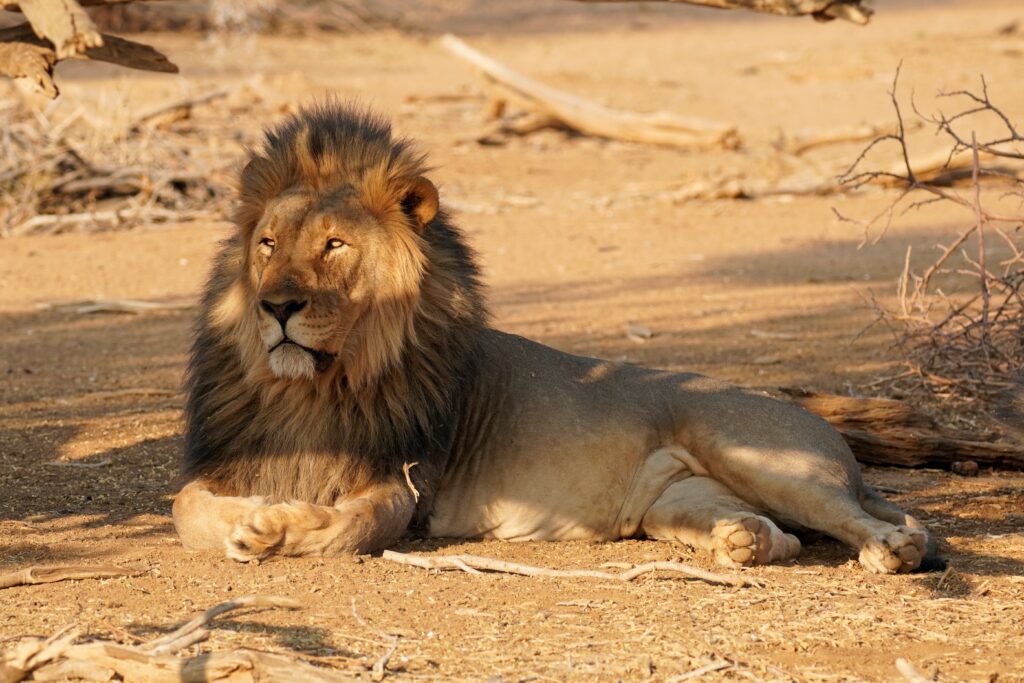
(308, 256)
(327, 274)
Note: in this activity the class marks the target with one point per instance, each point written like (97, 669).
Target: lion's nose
(283, 310)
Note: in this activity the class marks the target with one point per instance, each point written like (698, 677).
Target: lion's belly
(579, 496)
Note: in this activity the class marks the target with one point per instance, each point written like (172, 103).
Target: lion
(345, 389)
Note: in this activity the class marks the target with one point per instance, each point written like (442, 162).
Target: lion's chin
(289, 361)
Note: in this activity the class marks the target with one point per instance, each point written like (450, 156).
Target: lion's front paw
(900, 550)
(257, 535)
(752, 540)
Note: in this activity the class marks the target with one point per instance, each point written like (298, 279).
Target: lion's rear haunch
(399, 312)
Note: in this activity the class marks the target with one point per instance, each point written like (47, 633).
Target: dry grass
(102, 167)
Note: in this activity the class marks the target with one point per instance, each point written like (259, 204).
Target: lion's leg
(363, 523)
(204, 520)
(704, 513)
(817, 487)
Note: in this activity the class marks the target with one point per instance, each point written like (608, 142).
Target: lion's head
(337, 224)
(342, 316)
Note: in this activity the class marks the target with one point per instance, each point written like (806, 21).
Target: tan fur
(302, 449)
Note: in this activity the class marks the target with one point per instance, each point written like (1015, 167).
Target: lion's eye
(267, 244)
(334, 243)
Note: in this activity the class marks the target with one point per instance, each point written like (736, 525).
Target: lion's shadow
(48, 406)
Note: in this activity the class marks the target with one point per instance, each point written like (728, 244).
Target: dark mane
(250, 434)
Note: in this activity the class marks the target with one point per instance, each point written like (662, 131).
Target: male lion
(345, 387)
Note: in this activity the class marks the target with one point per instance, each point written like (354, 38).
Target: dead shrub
(959, 319)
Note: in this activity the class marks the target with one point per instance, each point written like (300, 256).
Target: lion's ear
(420, 201)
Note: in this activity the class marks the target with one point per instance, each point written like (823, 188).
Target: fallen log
(883, 431)
(553, 106)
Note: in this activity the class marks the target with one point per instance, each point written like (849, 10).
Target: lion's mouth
(321, 359)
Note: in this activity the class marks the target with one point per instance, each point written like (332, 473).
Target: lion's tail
(877, 506)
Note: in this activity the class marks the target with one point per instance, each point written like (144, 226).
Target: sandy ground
(577, 241)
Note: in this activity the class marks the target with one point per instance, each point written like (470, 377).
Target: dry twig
(35, 575)
(379, 669)
(467, 562)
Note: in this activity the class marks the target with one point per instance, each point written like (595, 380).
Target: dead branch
(68, 670)
(906, 175)
(1002, 146)
(19, 662)
(64, 24)
(936, 168)
(35, 575)
(822, 10)
(56, 31)
(133, 664)
(462, 562)
(586, 117)
(113, 50)
(154, 661)
(804, 142)
(182, 109)
(96, 221)
(194, 630)
(379, 669)
(124, 52)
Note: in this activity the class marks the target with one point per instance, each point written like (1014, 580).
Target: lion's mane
(399, 388)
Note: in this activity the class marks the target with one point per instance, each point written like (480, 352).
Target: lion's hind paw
(895, 552)
(752, 540)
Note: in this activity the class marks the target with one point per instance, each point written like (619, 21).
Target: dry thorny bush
(959, 320)
(88, 166)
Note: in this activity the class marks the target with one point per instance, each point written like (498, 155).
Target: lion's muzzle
(290, 339)
(282, 311)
